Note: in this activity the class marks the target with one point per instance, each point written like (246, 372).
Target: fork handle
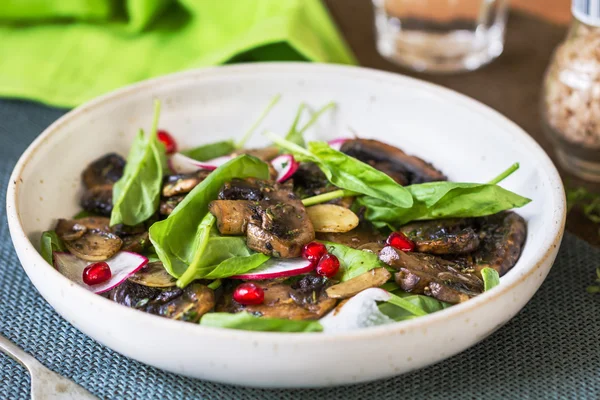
(11, 349)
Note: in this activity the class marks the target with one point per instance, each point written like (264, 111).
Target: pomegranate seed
(399, 241)
(168, 141)
(96, 273)
(249, 294)
(313, 251)
(328, 265)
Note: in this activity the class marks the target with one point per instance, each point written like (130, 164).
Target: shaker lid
(587, 11)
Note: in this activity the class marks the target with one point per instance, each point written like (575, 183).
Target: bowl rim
(551, 240)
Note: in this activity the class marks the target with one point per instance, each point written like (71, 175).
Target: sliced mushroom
(373, 278)
(168, 205)
(182, 183)
(69, 229)
(95, 245)
(101, 223)
(273, 218)
(394, 161)
(444, 236)
(363, 237)
(282, 301)
(98, 200)
(104, 171)
(332, 218)
(153, 275)
(136, 243)
(195, 301)
(431, 275)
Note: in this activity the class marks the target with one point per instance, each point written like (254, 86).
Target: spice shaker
(571, 94)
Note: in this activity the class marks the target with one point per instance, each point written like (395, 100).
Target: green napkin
(64, 52)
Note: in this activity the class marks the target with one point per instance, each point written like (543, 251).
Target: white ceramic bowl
(467, 140)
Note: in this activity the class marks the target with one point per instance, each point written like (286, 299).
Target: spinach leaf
(353, 262)
(137, 194)
(435, 200)
(236, 266)
(211, 150)
(249, 322)
(349, 173)
(49, 243)
(201, 242)
(177, 238)
(404, 306)
(490, 277)
(296, 135)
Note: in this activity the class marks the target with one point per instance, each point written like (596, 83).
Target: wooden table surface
(510, 84)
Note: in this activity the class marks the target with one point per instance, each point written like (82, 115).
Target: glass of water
(440, 35)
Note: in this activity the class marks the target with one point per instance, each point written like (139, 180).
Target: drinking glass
(440, 35)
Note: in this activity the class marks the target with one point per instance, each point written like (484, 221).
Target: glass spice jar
(571, 94)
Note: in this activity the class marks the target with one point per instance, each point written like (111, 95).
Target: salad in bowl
(292, 237)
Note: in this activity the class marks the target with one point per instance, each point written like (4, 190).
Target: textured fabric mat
(551, 350)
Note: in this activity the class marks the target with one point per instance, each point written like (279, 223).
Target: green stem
(204, 234)
(214, 285)
(244, 139)
(316, 116)
(289, 146)
(325, 197)
(154, 131)
(505, 174)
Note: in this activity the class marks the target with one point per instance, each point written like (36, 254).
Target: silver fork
(45, 384)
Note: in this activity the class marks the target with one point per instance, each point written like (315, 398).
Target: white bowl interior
(465, 139)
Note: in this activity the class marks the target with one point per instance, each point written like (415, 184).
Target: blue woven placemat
(551, 350)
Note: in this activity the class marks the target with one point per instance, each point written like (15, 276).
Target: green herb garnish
(249, 322)
(49, 243)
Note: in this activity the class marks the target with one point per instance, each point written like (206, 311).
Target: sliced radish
(358, 312)
(336, 144)
(278, 268)
(182, 164)
(285, 165)
(122, 266)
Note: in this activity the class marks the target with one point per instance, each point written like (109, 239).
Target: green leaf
(236, 266)
(137, 194)
(211, 150)
(249, 322)
(410, 306)
(201, 242)
(296, 135)
(178, 238)
(349, 173)
(353, 262)
(491, 278)
(435, 200)
(49, 243)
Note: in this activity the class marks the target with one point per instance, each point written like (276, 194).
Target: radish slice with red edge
(182, 164)
(286, 166)
(122, 266)
(278, 268)
(336, 144)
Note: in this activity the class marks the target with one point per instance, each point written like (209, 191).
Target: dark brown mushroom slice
(281, 301)
(104, 171)
(123, 230)
(431, 275)
(414, 169)
(168, 205)
(136, 243)
(100, 223)
(69, 229)
(154, 275)
(443, 236)
(370, 279)
(364, 236)
(187, 304)
(502, 239)
(98, 200)
(273, 218)
(179, 184)
(95, 245)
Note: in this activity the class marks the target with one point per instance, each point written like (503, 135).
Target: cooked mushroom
(502, 238)
(136, 243)
(273, 218)
(155, 275)
(310, 181)
(98, 200)
(187, 304)
(282, 301)
(168, 205)
(373, 278)
(265, 153)
(443, 236)
(431, 275)
(392, 160)
(69, 229)
(104, 171)
(182, 183)
(365, 236)
(95, 245)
